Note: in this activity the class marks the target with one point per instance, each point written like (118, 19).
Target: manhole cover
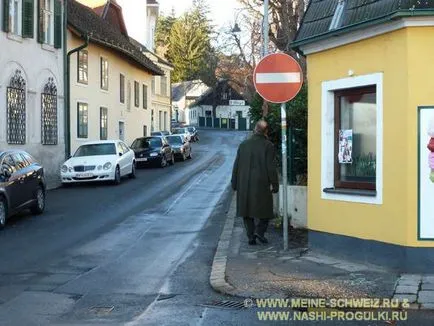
(101, 310)
(226, 304)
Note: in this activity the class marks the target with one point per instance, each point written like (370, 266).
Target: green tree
(162, 33)
(189, 44)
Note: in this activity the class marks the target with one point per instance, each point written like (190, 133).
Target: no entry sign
(278, 78)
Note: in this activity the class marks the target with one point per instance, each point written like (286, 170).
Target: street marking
(276, 78)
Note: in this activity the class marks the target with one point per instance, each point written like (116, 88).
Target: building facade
(370, 109)
(110, 78)
(31, 82)
(220, 107)
(185, 94)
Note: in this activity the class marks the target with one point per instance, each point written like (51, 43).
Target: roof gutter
(374, 21)
(67, 98)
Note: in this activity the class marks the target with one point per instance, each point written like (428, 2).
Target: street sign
(278, 78)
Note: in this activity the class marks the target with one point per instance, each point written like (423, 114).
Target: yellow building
(110, 77)
(371, 117)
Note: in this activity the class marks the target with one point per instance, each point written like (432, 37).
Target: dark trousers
(260, 228)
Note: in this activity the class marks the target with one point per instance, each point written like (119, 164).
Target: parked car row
(22, 182)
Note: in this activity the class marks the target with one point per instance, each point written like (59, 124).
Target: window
(163, 81)
(165, 121)
(136, 94)
(129, 96)
(122, 88)
(48, 21)
(160, 120)
(9, 164)
(16, 109)
(82, 120)
(124, 148)
(145, 96)
(49, 113)
(153, 86)
(20, 162)
(224, 96)
(337, 17)
(145, 131)
(103, 123)
(104, 74)
(13, 21)
(82, 73)
(355, 138)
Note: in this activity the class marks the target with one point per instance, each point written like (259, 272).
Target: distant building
(220, 107)
(183, 95)
(110, 79)
(32, 82)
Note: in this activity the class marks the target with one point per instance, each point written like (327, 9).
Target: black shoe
(261, 238)
(252, 242)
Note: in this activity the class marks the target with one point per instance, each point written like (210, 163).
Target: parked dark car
(153, 150)
(22, 184)
(181, 147)
(193, 133)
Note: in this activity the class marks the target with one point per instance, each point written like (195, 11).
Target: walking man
(254, 177)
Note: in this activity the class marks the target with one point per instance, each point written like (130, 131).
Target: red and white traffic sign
(278, 78)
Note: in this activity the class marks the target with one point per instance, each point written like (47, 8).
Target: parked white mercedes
(105, 160)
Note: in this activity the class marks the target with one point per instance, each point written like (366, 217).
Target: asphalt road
(135, 254)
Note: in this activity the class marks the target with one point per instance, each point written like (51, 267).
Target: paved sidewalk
(266, 271)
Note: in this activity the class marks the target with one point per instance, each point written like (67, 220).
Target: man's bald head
(261, 127)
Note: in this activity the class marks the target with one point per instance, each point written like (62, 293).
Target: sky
(222, 12)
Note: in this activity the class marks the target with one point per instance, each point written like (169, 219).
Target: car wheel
(132, 175)
(3, 212)
(39, 205)
(117, 179)
(172, 162)
(163, 162)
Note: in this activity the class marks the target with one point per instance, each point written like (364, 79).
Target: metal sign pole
(285, 177)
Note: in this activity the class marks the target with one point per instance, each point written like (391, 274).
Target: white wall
(297, 205)
(37, 63)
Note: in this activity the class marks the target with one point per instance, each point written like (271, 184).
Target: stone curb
(218, 270)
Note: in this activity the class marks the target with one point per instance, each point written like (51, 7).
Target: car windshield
(165, 133)
(155, 133)
(178, 131)
(146, 143)
(174, 140)
(96, 149)
(191, 129)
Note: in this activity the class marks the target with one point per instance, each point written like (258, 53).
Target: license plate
(142, 159)
(84, 175)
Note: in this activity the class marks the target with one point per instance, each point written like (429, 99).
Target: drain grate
(101, 310)
(226, 304)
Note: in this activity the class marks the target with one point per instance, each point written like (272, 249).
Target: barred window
(49, 114)
(16, 109)
(82, 120)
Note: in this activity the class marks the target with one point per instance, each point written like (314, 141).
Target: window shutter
(28, 20)
(41, 35)
(6, 16)
(57, 24)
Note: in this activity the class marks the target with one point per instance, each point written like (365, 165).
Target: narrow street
(105, 253)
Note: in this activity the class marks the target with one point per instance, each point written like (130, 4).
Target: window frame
(122, 88)
(136, 94)
(326, 139)
(104, 74)
(338, 94)
(79, 68)
(82, 136)
(101, 110)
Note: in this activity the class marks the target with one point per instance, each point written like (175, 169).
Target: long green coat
(253, 175)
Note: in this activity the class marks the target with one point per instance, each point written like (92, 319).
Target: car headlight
(64, 169)
(153, 154)
(107, 166)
